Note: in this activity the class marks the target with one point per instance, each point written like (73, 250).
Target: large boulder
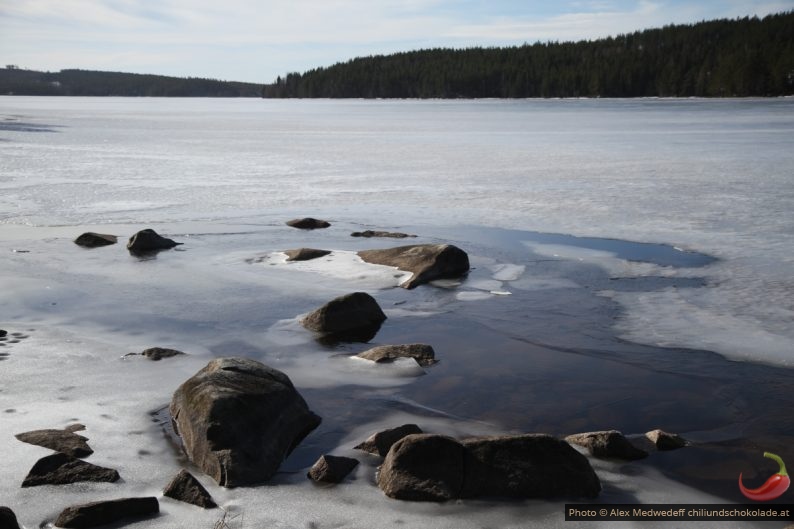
(346, 315)
(308, 223)
(381, 442)
(60, 469)
(239, 419)
(426, 261)
(95, 240)
(105, 512)
(186, 488)
(437, 468)
(65, 441)
(146, 241)
(423, 354)
(609, 444)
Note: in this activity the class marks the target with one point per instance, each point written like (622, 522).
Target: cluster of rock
(141, 243)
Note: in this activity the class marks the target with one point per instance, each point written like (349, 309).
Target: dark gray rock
(95, 240)
(390, 234)
(438, 468)
(426, 261)
(185, 487)
(8, 520)
(60, 469)
(381, 442)
(526, 466)
(146, 241)
(158, 353)
(423, 354)
(305, 254)
(65, 441)
(308, 223)
(607, 444)
(105, 512)
(665, 440)
(345, 315)
(239, 419)
(331, 469)
(3, 333)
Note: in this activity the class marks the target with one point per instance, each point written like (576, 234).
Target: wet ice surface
(549, 332)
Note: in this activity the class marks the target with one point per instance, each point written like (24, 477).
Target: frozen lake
(647, 246)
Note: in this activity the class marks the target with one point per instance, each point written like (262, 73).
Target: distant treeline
(91, 83)
(743, 57)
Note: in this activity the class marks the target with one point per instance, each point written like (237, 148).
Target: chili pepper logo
(774, 487)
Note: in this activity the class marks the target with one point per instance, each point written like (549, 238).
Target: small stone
(105, 512)
(157, 353)
(60, 469)
(8, 520)
(381, 442)
(305, 254)
(346, 313)
(607, 444)
(308, 223)
(95, 240)
(391, 234)
(332, 469)
(665, 441)
(3, 333)
(185, 487)
(422, 353)
(148, 240)
(65, 441)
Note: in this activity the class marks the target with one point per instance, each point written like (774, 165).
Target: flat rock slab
(308, 223)
(305, 254)
(387, 234)
(332, 469)
(352, 312)
(65, 441)
(427, 467)
(60, 469)
(186, 488)
(105, 512)
(95, 240)
(381, 442)
(607, 444)
(239, 419)
(148, 240)
(423, 354)
(665, 441)
(8, 520)
(427, 262)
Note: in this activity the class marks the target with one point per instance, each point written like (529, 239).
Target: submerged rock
(390, 234)
(185, 487)
(239, 419)
(665, 441)
(8, 520)
(381, 442)
(346, 316)
(105, 512)
(3, 333)
(95, 240)
(149, 241)
(305, 254)
(331, 469)
(422, 353)
(427, 261)
(158, 353)
(608, 444)
(65, 441)
(308, 223)
(438, 468)
(60, 469)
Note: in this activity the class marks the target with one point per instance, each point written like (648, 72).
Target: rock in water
(381, 442)
(390, 234)
(608, 444)
(423, 354)
(346, 315)
(426, 261)
(60, 469)
(95, 240)
(65, 441)
(104, 512)
(8, 520)
(665, 441)
(158, 353)
(308, 223)
(3, 333)
(332, 469)
(185, 487)
(305, 254)
(238, 420)
(149, 241)
(438, 468)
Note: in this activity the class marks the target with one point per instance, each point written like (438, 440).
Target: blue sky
(257, 40)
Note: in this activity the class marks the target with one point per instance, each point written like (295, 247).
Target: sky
(258, 40)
